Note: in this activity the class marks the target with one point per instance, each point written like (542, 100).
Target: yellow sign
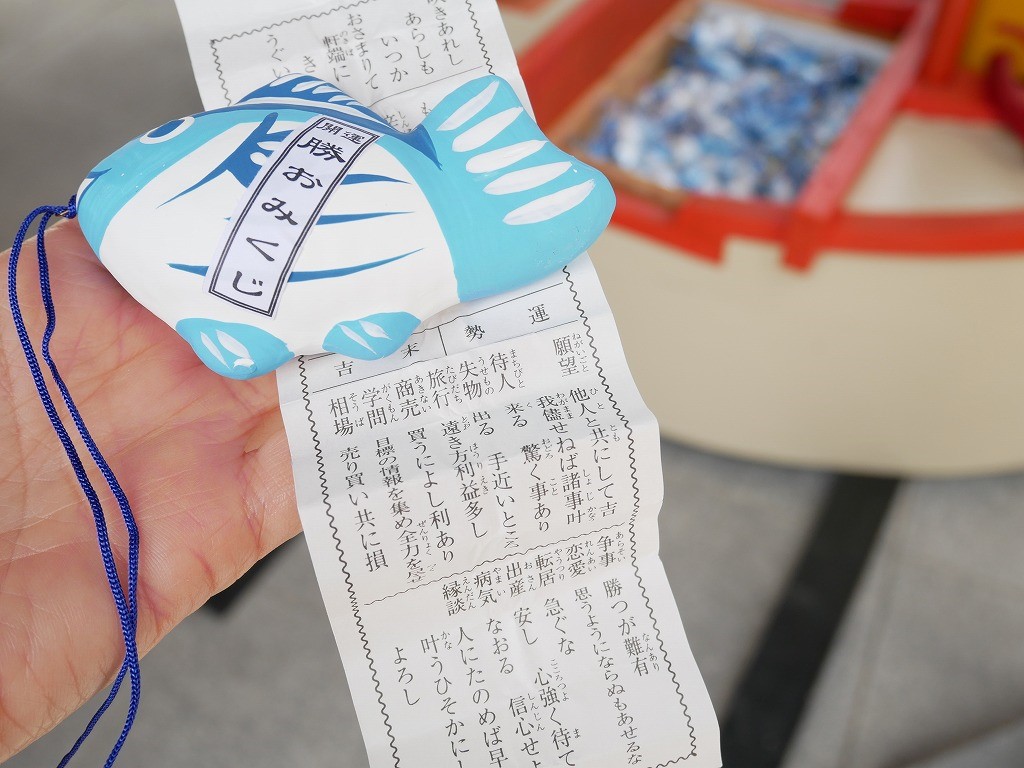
(998, 26)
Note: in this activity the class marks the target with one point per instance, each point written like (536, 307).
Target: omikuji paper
(481, 506)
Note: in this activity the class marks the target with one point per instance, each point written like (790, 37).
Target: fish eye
(167, 131)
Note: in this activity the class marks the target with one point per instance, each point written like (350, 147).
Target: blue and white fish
(473, 202)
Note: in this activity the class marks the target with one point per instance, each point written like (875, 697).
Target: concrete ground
(927, 668)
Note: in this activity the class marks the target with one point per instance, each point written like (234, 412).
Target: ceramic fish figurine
(297, 220)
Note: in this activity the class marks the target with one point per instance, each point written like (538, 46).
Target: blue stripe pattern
(363, 178)
(341, 218)
(304, 276)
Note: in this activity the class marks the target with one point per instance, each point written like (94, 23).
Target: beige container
(866, 362)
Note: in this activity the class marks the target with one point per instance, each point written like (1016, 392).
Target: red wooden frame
(919, 75)
(526, 6)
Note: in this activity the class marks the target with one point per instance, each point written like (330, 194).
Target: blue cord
(127, 607)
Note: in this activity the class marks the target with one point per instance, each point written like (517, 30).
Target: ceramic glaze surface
(473, 202)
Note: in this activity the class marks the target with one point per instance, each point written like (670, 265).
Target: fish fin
(307, 91)
(235, 350)
(371, 337)
(313, 94)
(529, 209)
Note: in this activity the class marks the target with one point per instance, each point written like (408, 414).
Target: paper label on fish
(280, 208)
(481, 505)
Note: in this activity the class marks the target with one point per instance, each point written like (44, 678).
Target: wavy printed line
(479, 36)
(342, 7)
(632, 518)
(495, 560)
(336, 535)
(220, 72)
(213, 43)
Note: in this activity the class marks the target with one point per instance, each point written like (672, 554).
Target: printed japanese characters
(481, 485)
(481, 504)
(299, 220)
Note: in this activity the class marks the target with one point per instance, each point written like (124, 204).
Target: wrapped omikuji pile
(745, 110)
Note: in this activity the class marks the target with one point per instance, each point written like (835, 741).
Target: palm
(202, 459)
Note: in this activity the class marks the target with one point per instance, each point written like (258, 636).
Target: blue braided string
(131, 663)
(127, 607)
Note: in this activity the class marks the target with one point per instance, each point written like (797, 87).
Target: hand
(203, 460)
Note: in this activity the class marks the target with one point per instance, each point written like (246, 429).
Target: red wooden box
(606, 46)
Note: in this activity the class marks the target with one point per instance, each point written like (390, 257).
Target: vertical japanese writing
(281, 207)
(475, 502)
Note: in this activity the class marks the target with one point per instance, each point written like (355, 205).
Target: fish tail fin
(528, 208)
